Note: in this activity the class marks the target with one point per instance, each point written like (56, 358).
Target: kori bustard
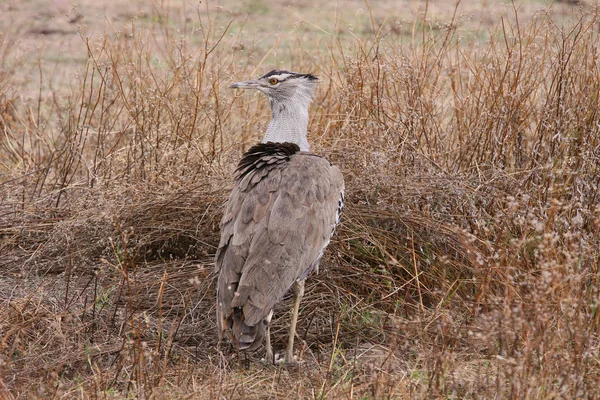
(278, 220)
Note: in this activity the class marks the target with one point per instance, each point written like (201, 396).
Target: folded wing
(277, 222)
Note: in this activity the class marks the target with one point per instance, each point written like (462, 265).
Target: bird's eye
(273, 81)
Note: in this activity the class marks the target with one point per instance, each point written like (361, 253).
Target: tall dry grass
(466, 264)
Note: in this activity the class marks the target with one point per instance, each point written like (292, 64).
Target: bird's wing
(277, 222)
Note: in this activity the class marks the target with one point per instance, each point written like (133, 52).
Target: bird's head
(281, 85)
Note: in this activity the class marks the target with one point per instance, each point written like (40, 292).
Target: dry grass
(466, 265)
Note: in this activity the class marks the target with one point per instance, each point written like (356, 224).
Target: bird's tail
(241, 335)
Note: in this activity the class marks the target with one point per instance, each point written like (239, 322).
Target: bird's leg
(298, 289)
(269, 355)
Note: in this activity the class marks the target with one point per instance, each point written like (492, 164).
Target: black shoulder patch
(251, 160)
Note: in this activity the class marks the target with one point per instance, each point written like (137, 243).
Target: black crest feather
(310, 77)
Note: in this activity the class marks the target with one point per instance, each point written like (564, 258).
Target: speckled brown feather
(276, 224)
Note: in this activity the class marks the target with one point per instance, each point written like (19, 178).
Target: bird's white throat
(290, 121)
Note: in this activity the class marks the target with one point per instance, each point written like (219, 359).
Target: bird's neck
(289, 123)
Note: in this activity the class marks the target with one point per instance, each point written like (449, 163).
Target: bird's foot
(290, 361)
(279, 359)
(269, 359)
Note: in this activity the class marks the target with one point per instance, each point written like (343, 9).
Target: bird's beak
(244, 85)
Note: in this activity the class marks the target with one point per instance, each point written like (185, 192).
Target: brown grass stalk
(467, 261)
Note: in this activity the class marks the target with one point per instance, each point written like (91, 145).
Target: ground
(51, 35)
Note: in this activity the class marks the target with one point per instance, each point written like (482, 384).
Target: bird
(278, 219)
